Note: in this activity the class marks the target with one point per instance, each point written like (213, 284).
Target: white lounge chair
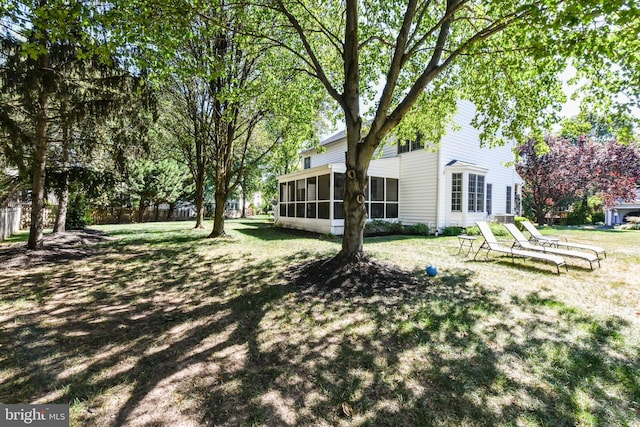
(491, 244)
(522, 242)
(536, 236)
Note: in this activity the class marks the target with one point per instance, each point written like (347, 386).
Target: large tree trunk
(141, 210)
(37, 187)
(218, 216)
(244, 203)
(223, 162)
(355, 213)
(39, 169)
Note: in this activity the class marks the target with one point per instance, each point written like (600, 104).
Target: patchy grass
(162, 326)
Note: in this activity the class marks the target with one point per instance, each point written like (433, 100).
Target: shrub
(383, 228)
(78, 213)
(452, 231)
(519, 220)
(581, 214)
(473, 230)
(396, 227)
(597, 217)
(496, 228)
(418, 230)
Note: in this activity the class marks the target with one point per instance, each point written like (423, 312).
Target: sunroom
(312, 199)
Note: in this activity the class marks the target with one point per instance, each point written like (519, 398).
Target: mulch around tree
(56, 248)
(361, 275)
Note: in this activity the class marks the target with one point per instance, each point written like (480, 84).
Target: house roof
(460, 165)
(330, 140)
(455, 162)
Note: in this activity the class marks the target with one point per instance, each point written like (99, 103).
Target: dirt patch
(56, 248)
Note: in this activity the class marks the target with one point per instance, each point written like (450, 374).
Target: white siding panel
(464, 145)
(334, 153)
(388, 168)
(386, 151)
(418, 190)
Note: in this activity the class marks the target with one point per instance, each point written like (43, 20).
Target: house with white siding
(455, 184)
(622, 211)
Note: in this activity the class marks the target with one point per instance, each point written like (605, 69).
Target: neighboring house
(619, 213)
(456, 185)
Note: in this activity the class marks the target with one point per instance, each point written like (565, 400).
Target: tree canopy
(393, 69)
(410, 61)
(570, 170)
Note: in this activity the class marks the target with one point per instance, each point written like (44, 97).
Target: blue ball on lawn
(432, 271)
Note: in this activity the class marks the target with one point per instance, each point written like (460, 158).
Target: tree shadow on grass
(266, 231)
(141, 335)
(418, 352)
(127, 325)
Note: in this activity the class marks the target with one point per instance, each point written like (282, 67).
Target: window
(311, 189)
(377, 210)
(324, 185)
(392, 198)
(471, 195)
(291, 191)
(476, 193)
(324, 194)
(392, 210)
(417, 144)
(283, 192)
(508, 208)
(392, 190)
(338, 186)
(311, 197)
(300, 190)
(480, 191)
(456, 192)
(323, 210)
(338, 194)
(307, 162)
(406, 146)
(311, 210)
(377, 189)
(489, 198)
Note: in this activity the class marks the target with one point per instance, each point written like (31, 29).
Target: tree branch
(315, 62)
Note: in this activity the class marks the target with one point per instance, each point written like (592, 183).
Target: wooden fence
(129, 216)
(10, 219)
(47, 216)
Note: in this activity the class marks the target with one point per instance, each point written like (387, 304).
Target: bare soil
(56, 248)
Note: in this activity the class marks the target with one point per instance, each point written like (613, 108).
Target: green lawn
(161, 326)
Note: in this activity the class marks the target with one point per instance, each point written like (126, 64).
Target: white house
(456, 185)
(619, 213)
